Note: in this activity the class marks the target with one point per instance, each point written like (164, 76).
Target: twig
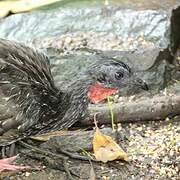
(36, 149)
(76, 156)
(156, 108)
(48, 153)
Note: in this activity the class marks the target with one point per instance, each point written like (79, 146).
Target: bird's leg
(8, 151)
(12, 150)
(3, 149)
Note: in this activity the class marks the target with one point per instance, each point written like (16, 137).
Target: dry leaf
(106, 149)
(47, 136)
(16, 6)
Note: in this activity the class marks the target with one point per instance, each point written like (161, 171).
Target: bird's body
(27, 85)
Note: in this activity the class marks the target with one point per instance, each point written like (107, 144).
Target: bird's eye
(119, 75)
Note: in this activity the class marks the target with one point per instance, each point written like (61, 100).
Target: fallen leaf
(16, 6)
(47, 136)
(106, 149)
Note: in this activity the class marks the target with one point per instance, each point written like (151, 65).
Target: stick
(156, 108)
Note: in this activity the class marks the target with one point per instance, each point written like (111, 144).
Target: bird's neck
(79, 92)
(80, 88)
(76, 100)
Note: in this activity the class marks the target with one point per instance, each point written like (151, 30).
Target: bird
(28, 87)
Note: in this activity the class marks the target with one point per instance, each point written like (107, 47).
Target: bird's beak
(142, 84)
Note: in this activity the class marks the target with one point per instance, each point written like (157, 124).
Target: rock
(75, 141)
(144, 34)
(149, 64)
(144, 31)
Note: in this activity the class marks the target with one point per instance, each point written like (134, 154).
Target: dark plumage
(27, 85)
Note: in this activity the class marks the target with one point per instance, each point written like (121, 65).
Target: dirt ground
(153, 149)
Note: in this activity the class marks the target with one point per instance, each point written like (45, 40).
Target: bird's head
(110, 77)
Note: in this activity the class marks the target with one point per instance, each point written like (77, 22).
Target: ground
(153, 148)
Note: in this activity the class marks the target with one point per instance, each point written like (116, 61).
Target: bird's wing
(26, 86)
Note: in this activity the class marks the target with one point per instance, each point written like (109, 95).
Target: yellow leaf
(47, 136)
(106, 149)
(16, 6)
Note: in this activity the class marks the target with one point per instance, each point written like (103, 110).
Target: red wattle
(98, 92)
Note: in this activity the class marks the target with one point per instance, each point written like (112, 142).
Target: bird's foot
(6, 165)
(8, 157)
